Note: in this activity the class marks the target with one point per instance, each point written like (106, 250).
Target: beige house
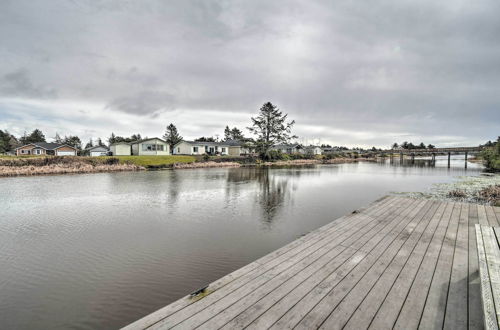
(121, 149)
(44, 148)
(238, 148)
(150, 147)
(201, 148)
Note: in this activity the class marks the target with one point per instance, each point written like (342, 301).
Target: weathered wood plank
(322, 310)
(481, 214)
(492, 252)
(410, 313)
(488, 304)
(492, 218)
(434, 309)
(350, 271)
(476, 320)
(456, 316)
(361, 305)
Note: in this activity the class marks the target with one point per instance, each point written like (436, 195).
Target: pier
(466, 151)
(399, 263)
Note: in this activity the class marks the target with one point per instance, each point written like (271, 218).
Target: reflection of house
(289, 148)
(200, 148)
(98, 151)
(237, 148)
(121, 149)
(313, 150)
(150, 147)
(44, 148)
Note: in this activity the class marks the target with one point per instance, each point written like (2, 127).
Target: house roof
(234, 143)
(148, 139)
(122, 142)
(95, 147)
(47, 146)
(202, 143)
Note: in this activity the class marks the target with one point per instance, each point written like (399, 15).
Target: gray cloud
(426, 68)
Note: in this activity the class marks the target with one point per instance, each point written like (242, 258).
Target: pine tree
(171, 136)
(227, 133)
(99, 142)
(271, 128)
(112, 138)
(57, 138)
(89, 144)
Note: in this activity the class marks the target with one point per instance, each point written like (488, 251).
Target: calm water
(99, 251)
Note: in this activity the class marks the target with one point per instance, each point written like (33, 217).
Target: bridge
(435, 151)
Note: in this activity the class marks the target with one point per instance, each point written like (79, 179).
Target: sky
(354, 73)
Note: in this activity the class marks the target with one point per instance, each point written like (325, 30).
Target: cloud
(427, 69)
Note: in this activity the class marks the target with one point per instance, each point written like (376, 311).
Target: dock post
(449, 157)
(433, 158)
(466, 159)
(401, 157)
(412, 158)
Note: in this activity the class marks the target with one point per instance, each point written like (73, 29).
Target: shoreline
(87, 168)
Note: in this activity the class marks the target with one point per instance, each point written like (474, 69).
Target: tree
(271, 128)
(112, 138)
(205, 139)
(395, 146)
(73, 141)
(99, 142)
(57, 138)
(431, 146)
(8, 142)
(227, 134)
(35, 136)
(89, 144)
(172, 136)
(421, 145)
(133, 138)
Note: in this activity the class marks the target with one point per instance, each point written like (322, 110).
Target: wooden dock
(399, 263)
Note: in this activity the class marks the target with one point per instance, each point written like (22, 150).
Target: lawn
(153, 160)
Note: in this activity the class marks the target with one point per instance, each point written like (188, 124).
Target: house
(150, 147)
(238, 148)
(201, 148)
(98, 151)
(288, 148)
(44, 148)
(313, 150)
(121, 149)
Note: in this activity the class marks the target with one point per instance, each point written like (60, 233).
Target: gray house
(98, 151)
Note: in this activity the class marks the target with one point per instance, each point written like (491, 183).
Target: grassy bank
(15, 166)
(152, 161)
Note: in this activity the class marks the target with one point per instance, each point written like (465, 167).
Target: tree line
(409, 145)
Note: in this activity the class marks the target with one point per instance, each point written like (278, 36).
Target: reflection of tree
(272, 186)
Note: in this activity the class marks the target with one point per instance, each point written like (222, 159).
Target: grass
(152, 161)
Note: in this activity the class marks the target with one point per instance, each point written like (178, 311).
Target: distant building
(238, 148)
(150, 147)
(44, 148)
(288, 148)
(313, 150)
(121, 149)
(201, 148)
(98, 151)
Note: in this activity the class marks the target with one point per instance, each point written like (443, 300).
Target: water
(99, 251)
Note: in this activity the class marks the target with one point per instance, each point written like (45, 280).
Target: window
(152, 147)
(195, 149)
(38, 152)
(223, 149)
(23, 151)
(178, 149)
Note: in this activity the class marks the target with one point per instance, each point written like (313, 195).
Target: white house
(121, 149)
(313, 150)
(98, 151)
(150, 147)
(289, 148)
(201, 148)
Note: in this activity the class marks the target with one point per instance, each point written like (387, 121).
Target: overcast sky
(349, 72)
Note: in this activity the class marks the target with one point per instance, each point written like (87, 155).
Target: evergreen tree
(73, 141)
(205, 139)
(99, 142)
(172, 136)
(57, 138)
(112, 138)
(227, 133)
(35, 136)
(89, 144)
(431, 146)
(421, 145)
(271, 128)
(395, 146)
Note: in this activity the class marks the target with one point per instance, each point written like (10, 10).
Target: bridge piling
(466, 159)
(449, 158)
